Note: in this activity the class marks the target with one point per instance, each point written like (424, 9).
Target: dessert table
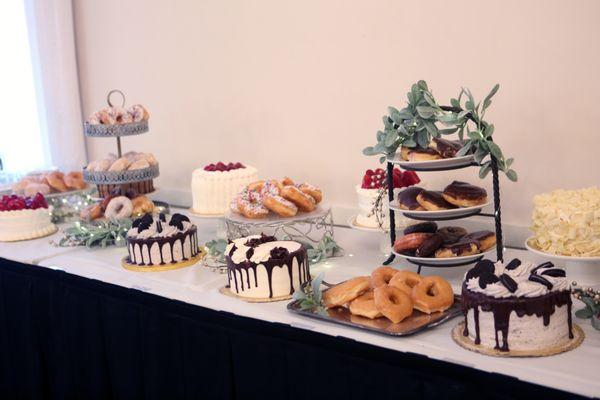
(74, 324)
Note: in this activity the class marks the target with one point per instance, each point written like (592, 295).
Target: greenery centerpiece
(423, 118)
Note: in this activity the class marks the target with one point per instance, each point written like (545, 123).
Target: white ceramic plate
(448, 261)
(450, 163)
(453, 213)
(558, 256)
(352, 224)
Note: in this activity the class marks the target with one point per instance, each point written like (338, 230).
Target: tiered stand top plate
(455, 213)
(119, 177)
(443, 164)
(116, 130)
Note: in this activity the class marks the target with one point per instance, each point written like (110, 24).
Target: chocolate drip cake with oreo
(517, 307)
(162, 240)
(262, 267)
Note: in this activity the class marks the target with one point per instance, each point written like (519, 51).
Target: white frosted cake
(567, 222)
(368, 191)
(215, 185)
(262, 267)
(162, 240)
(24, 218)
(517, 306)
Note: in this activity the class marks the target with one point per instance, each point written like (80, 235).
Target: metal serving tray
(416, 323)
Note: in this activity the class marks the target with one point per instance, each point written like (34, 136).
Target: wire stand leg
(390, 189)
(497, 213)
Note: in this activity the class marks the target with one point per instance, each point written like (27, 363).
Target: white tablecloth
(575, 371)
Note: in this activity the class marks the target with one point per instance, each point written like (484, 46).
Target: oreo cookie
(255, 242)
(250, 253)
(555, 273)
(482, 267)
(143, 223)
(487, 279)
(423, 227)
(513, 264)
(546, 264)
(541, 280)
(279, 253)
(162, 217)
(177, 220)
(509, 283)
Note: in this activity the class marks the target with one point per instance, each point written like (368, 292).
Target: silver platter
(132, 128)
(118, 177)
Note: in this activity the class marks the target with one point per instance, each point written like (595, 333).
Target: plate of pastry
(390, 302)
(439, 155)
(50, 183)
(274, 200)
(458, 199)
(426, 244)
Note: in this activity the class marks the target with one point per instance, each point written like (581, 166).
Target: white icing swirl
(260, 254)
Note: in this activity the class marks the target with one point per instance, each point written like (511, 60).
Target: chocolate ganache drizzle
(245, 255)
(517, 288)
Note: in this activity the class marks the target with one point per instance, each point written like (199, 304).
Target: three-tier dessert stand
(138, 179)
(496, 215)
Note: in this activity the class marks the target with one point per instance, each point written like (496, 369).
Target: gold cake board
(167, 267)
(466, 343)
(227, 292)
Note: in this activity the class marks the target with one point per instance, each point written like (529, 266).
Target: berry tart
(373, 182)
(24, 218)
(216, 185)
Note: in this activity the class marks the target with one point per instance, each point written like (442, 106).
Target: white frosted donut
(119, 208)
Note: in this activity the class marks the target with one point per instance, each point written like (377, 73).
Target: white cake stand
(583, 270)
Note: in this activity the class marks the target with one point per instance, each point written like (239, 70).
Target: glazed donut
(346, 291)
(138, 113)
(429, 246)
(433, 201)
(420, 154)
(458, 249)
(452, 234)
(304, 202)
(404, 152)
(250, 205)
(393, 303)
(280, 205)
(312, 191)
(120, 164)
(382, 275)
(423, 227)
(139, 164)
(33, 188)
(364, 305)
(407, 199)
(74, 180)
(119, 207)
(142, 205)
(486, 239)
(91, 212)
(56, 182)
(432, 294)
(411, 242)
(405, 281)
(463, 194)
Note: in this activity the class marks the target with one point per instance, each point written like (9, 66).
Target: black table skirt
(63, 337)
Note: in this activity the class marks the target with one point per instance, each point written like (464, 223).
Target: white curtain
(52, 42)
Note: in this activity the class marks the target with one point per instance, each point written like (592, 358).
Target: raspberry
(210, 167)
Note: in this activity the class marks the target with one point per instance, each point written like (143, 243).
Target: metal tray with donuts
(426, 244)
(457, 200)
(389, 302)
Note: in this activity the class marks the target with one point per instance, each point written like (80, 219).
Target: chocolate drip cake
(162, 240)
(517, 306)
(262, 267)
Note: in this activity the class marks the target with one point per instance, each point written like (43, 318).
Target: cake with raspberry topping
(23, 218)
(262, 267)
(215, 185)
(373, 182)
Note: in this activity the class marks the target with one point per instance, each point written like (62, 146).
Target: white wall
(299, 88)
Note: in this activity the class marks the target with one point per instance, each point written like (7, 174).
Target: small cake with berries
(370, 214)
(216, 185)
(24, 218)
(158, 241)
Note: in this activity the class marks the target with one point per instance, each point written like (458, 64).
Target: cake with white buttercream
(24, 218)
(262, 267)
(519, 306)
(216, 185)
(161, 240)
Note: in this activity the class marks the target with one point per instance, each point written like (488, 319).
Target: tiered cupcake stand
(106, 181)
(443, 165)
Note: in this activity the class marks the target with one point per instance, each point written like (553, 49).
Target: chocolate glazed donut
(463, 194)
(433, 201)
(446, 148)
(407, 199)
(424, 227)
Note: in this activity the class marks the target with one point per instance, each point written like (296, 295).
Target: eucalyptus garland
(417, 123)
(101, 233)
(310, 297)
